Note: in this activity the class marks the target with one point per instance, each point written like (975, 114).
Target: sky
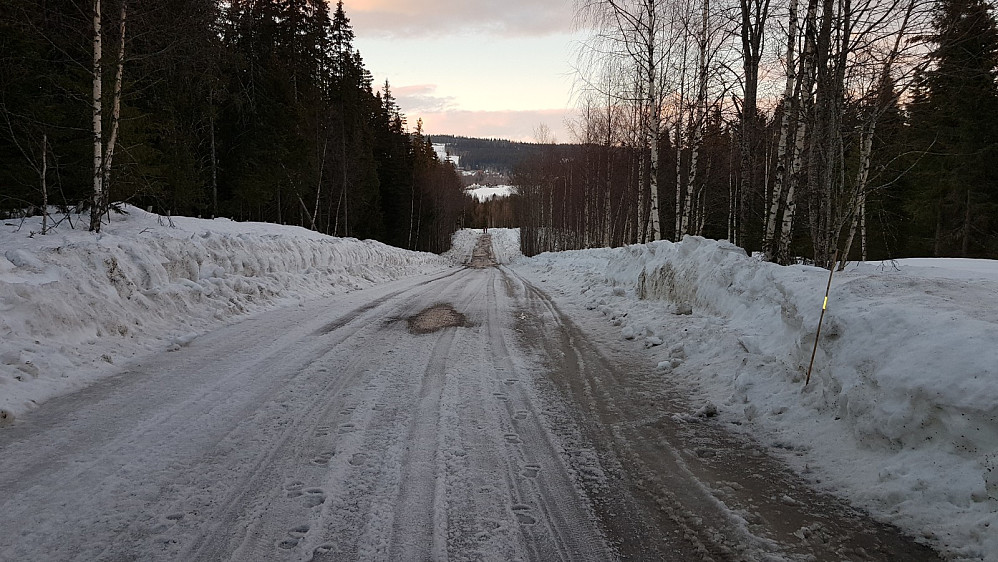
(480, 68)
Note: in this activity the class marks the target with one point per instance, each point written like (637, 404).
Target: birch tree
(104, 149)
(882, 96)
(633, 29)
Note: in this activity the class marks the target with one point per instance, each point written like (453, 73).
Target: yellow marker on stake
(824, 306)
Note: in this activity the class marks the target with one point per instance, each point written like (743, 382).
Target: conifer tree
(954, 118)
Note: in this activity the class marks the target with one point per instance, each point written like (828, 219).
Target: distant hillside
(488, 154)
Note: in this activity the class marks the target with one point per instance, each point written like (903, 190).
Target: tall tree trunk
(688, 222)
(753, 17)
(655, 121)
(862, 230)
(103, 155)
(45, 191)
(732, 200)
(115, 105)
(865, 154)
(804, 124)
(790, 104)
(938, 240)
(214, 167)
(96, 207)
(965, 246)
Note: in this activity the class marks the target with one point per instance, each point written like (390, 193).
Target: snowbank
(462, 243)
(505, 244)
(72, 303)
(901, 414)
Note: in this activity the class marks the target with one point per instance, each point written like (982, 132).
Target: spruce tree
(954, 116)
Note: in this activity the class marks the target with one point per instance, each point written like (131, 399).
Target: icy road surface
(460, 416)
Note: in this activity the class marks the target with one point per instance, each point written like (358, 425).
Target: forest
(499, 155)
(250, 109)
(828, 130)
(823, 130)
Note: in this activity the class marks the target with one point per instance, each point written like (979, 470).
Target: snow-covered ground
(73, 304)
(443, 154)
(486, 192)
(901, 414)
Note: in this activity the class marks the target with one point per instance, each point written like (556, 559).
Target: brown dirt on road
(436, 318)
(481, 256)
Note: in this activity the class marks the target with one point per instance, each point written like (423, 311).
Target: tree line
(497, 155)
(251, 109)
(859, 128)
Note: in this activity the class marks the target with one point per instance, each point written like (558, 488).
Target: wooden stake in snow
(821, 318)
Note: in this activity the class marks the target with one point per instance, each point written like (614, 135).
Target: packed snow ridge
(73, 304)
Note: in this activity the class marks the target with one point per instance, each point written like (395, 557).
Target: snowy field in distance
(73, 304)
(901, 414)
(486, 192)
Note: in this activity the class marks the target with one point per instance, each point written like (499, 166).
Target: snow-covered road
(351, 428)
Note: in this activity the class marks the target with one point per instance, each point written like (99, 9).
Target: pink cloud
(422, 98)
(448, 17)
(512, 125)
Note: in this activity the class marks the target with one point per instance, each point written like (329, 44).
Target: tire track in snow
(416, 507)
(338, 391)
(677, 516)
(353, 400)
(366, 478)
(543, 492)
(134, 431)
(731, 505)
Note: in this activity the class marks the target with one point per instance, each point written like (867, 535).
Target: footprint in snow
(314, 497)
(323, 549)
(323, 459)
(513, 439)
(520, 415)
(523, 516)
(531, 470)
(294, 489)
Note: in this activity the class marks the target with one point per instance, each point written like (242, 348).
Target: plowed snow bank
(72, 303)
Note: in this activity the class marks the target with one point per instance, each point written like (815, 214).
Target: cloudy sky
(484, 68)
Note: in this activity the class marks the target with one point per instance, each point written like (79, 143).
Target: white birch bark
(655, 121)
(790, 104)
(96, 208)
(115, 106)
(45, 191)
(689, 209)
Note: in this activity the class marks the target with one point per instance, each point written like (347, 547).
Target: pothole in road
(436, 318)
